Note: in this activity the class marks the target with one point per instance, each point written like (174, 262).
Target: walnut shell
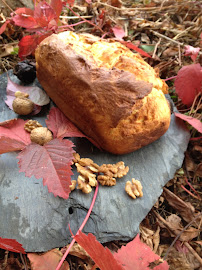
(41, 135)
(22, 106)
(108, 92)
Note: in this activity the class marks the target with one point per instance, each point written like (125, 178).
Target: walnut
(90, 178)
(106, 180)
(85, 187)
(109, 173)
(73, 185)
(21, 94)
(22, 105)
(41, 135)
(87, 162)
(134, 189)
(122, 169)
(31, 124)
(76, 157)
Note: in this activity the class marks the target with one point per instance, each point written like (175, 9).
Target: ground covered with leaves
(170, 33)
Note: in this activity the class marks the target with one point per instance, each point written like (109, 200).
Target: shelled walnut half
(109, 172)
(134, 189)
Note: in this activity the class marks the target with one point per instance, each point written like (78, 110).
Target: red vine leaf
(188, 83)
(137, 255)
(191, 51)
(27, 45)
(57, 7)
(52, 162)
(48, 260)
(119, 32)
(3, 27)
(11, 245)
(102, 256)
(61, 126)
(25, 18)
(197, 124)
(13, 137)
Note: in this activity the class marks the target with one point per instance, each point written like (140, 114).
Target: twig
(178, 236)
(165, 37)
(7, 6)
(80, 229)
(192, 188)
(156, 47)
(75, 17)
(23, 261)
(190, 193)
(85, 19)
(193, 252)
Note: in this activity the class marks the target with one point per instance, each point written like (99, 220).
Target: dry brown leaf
(173, 222)
(186, 211)
(47, 261)
(150, 237)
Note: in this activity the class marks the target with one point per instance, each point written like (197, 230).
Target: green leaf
(147, 48)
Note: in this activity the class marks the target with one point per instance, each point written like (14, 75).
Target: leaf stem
(80, 229)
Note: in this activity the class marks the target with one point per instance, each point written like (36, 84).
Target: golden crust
(110, 93)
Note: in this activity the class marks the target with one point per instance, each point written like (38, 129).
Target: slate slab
(39, 221)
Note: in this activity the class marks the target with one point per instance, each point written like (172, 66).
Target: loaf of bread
(110, 93)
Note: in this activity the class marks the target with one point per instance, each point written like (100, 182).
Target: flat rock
(39, 221)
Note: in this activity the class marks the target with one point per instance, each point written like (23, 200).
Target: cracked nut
(76, 157)
(106, 180)
(73, 185)
(22, 106)
(21, 94)
(85, 187)
(134, 189)
(87, 162)
(109, 172)
(31, 124)
(41, 135)
(89, 177)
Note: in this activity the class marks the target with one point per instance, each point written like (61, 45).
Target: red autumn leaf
(130, 45)
(27, 45)
(102, 256)
(188, 83)
(191, 51)
(52, 162)
(43, 14)
(11, 245)
(25, 18)
(3, 27)
(47, 261)
(119, 32)
(13, 137)
(70, 2)
(57, 7)
(197, 124)
(137, 255)
(60, 125)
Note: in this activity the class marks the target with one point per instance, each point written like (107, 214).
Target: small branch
(178, 236)
(156, 47)
(189, 192)
(165, 37)
(75, 17)
(193, 252)
(85, 19)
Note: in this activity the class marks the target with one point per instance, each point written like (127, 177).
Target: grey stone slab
(39, 221)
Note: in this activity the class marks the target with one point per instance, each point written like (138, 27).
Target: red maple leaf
(188, 83)
(137, 255)
(13, 137)
(52, 162)
(61, 126)
(102, 256)
(47, 261)
(11, 245)
(197, 124)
